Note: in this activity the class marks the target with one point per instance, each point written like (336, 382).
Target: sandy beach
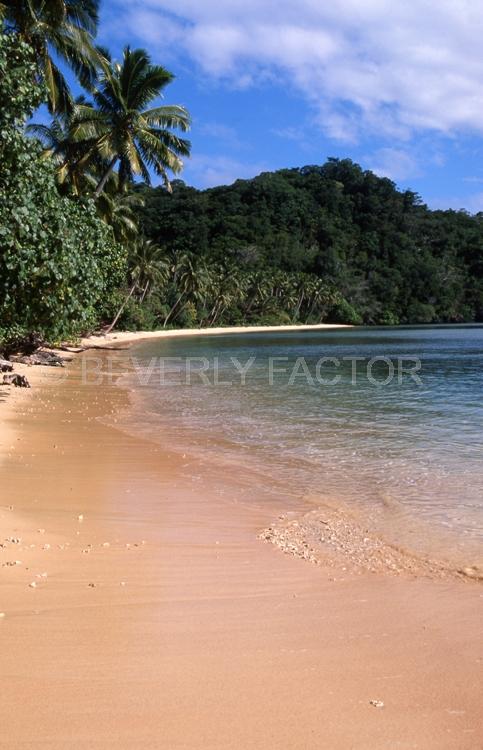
(141, 611)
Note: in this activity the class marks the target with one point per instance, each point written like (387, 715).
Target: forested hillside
(84, 244)
(382, 253)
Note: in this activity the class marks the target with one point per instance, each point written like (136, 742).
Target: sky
(395, 85)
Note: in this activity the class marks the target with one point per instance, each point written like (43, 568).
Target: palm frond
(64, 26)
(59, 95)
(168, 116)
(84, 14)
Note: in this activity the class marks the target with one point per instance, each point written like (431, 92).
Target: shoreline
(158, 611)
(11, 396)
(130, 337)
(330, 535)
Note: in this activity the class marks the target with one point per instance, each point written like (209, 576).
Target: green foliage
(343, 312)
(189, 316)
(330, 242)
(389, 318)
(272, 318)
(183, 291)
(137, 316)
(421, 313)
(66, 26)
(390, 258)
(18, 69)
(57, 258)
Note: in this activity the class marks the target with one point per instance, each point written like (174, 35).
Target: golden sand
(141, 611)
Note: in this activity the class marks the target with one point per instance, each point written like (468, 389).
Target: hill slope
(391, 258)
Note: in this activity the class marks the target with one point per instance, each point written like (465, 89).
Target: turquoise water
(402, 445)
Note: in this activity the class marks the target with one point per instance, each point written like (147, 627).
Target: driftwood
(5, 366)
(13, 378)
(105, 348)
(80, 349)
(39, 358)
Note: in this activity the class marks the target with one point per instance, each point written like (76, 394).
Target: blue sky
(396, 85)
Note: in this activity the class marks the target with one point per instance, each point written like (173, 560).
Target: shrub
(58, 260)
(419, 312)
(343, 312)
(188, 317)
(388, 318)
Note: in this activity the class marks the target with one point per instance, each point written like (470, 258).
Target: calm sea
(388, 422)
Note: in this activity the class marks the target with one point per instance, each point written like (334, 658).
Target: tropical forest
(98, 230)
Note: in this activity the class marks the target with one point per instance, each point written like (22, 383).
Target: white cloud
(394, 163)
(207, 171)
(382, 67)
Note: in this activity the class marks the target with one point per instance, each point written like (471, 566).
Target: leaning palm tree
(147, 267)
(129, 135)
(65, 27)
(226, 288)
(190, 280)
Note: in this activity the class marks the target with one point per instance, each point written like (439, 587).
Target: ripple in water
(407, 454)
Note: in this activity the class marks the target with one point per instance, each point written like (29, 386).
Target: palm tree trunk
(220, 309)
(104, 178)
(312, 306)
(119, 312)
(212, 314)
(297, 307)
(171, 312)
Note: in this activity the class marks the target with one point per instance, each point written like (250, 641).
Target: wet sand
(116, 337)
(158, 619)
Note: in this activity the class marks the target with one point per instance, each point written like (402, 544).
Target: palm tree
(127, 133)
(71, 156)
(227, 288)
(301, 286)
(258, 291)
(66, 27)
(118, 209)
(147, 267)
(78, 168)
(191, 279)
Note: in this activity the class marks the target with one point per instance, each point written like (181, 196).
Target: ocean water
(388, 422)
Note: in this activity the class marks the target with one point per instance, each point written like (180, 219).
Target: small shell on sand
(80, 517)
(33, 585)
(377, 704)
(2, 614)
